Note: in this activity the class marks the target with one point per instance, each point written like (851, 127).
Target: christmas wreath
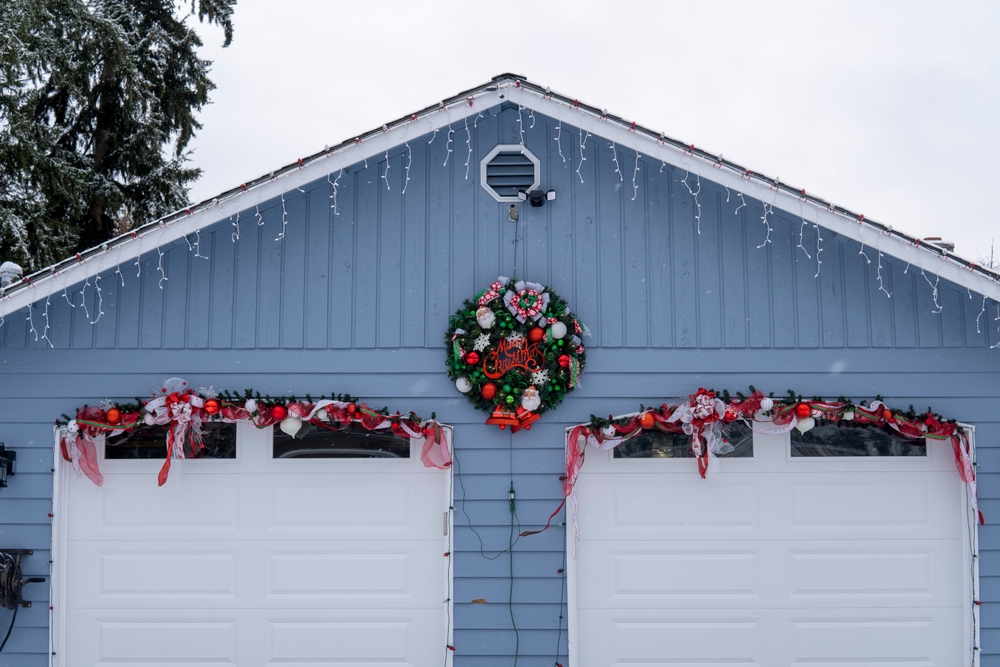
(515, 351)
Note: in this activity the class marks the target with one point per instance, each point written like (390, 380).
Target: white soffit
(326, 164)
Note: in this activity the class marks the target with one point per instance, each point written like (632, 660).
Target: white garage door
(254, 561)
(778, 560)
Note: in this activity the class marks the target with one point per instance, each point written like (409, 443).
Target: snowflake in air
(540, 377)
(516, 339)
(482, 342)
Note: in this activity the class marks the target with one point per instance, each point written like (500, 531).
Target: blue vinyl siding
(357, 299)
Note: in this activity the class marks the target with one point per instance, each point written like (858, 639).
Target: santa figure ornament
(530, 400)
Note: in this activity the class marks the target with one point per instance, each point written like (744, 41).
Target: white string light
(614, 156)
(532, 113)
(436, 130)
(409, 160)
(65, 294)
(743, 203)
(236, 225)
(520, 123)
(468, 142)
(997, 319)
(197, 240)
(260, 218)
(802, 226)
(385, 174)
(982, 311)
(934, 290)
(83, 297)
(635, 172)
(694, 193)
(727, 192)
(138, 254)
(159, 267)
(284, 218)
(447, 146)
(559, 140)
(583, 148)
(819, 249)
(881, 284)
(45, 332)
(100, 296)
(31, 321)
(334, 195)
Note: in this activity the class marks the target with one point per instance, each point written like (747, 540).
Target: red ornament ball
(472, 358)
(802, 410)
(489, 391)
(887, 414)
(113, 415)
(564, 360)
(278, 412)
(730, 416)
(351, 409)
(212, 406)
(536, 334)
(646, 420)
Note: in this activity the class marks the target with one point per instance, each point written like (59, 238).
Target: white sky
(889, 108)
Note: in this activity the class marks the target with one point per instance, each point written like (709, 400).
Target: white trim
(57, 566)
(508, 90)
(509, 148)
(572, 656)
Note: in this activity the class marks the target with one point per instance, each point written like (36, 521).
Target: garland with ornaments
(703, 415)
(515, 351)
(184, 411)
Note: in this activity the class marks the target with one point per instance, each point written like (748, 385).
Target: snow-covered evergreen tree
(97, 105)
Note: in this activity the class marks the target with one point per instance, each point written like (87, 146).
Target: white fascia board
(889, 244)
(122, 252)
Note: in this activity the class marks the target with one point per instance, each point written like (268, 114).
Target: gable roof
(517, 90)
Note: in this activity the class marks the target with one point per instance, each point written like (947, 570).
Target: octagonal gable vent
(507, 169)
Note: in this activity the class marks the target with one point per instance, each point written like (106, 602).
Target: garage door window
(657, 444)
(849, 439)
(150, 442)
(353, 442)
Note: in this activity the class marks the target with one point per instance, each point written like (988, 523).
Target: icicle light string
(284, 218)
(260, 218)
(433, 136)
(385, 174)
(236, 227)
(934, 290)
(31, 321)
(881, 282)
(447, 146)
(819, 249)
(694, 194)
(520, 123)
(802, 227)
(743, 203)
(997, 319)
(531, 112)
(159, 267)
(333, 196)
(197, 243)
(583, 148)
(409, 161)
(468, 142)
(45, 331)
(559, 140)
(614, 156)
(635, 173)
(982, 311)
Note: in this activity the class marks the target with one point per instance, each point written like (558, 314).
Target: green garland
(561, 359)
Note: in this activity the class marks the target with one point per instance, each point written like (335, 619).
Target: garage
(320, 550)
(794, 552)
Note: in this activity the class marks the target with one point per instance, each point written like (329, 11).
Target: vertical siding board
(105, 328)
(60, 321)
(154, 283)
(903, 305)
(709, 273)
(342, 261)
(993, 323)
(586, 268)
(317, 269)
(660, 300)
(976, 320)
(83, 330)
(733, 249)
(609, 223)
(463, 215)
(16, 324)
(880, 304)
(197, 306)
(831, 283)
(492, 214)
(439, 298)
(635, 269)
(928, 314)
(415, 248)
(758, 275)
(557, 175)
(511, 253)
(807, 287)
(855, 294)
(128, 304)
(390, 276)
(366, 256)
(245, 285)
(175, 300)
(293, 268)
(222, 296)
(685, 278)
(783, 287)
(535, 227)
(269, 278)
(952, 316)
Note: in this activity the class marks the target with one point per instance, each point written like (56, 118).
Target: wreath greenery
(515, 349)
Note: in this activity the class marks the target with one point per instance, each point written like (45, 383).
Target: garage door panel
(769, 574)
(162, 574)
(841, 638)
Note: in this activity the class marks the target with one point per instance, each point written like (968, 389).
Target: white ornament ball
(558, 330)
(149, 419)
(848, 416)
(290, 425)
(463, 384)
(805, 424)
(485, 317)
(250, 406)
(766, 403)
(609, 431)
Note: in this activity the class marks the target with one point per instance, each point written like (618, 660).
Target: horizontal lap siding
(347, 286)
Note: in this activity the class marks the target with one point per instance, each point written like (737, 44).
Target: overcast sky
(889, 109)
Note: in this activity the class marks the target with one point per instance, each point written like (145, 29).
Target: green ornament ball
(506, 389)
(509, 399)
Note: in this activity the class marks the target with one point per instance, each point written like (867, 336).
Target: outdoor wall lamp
(7, 461)
(537, 197)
